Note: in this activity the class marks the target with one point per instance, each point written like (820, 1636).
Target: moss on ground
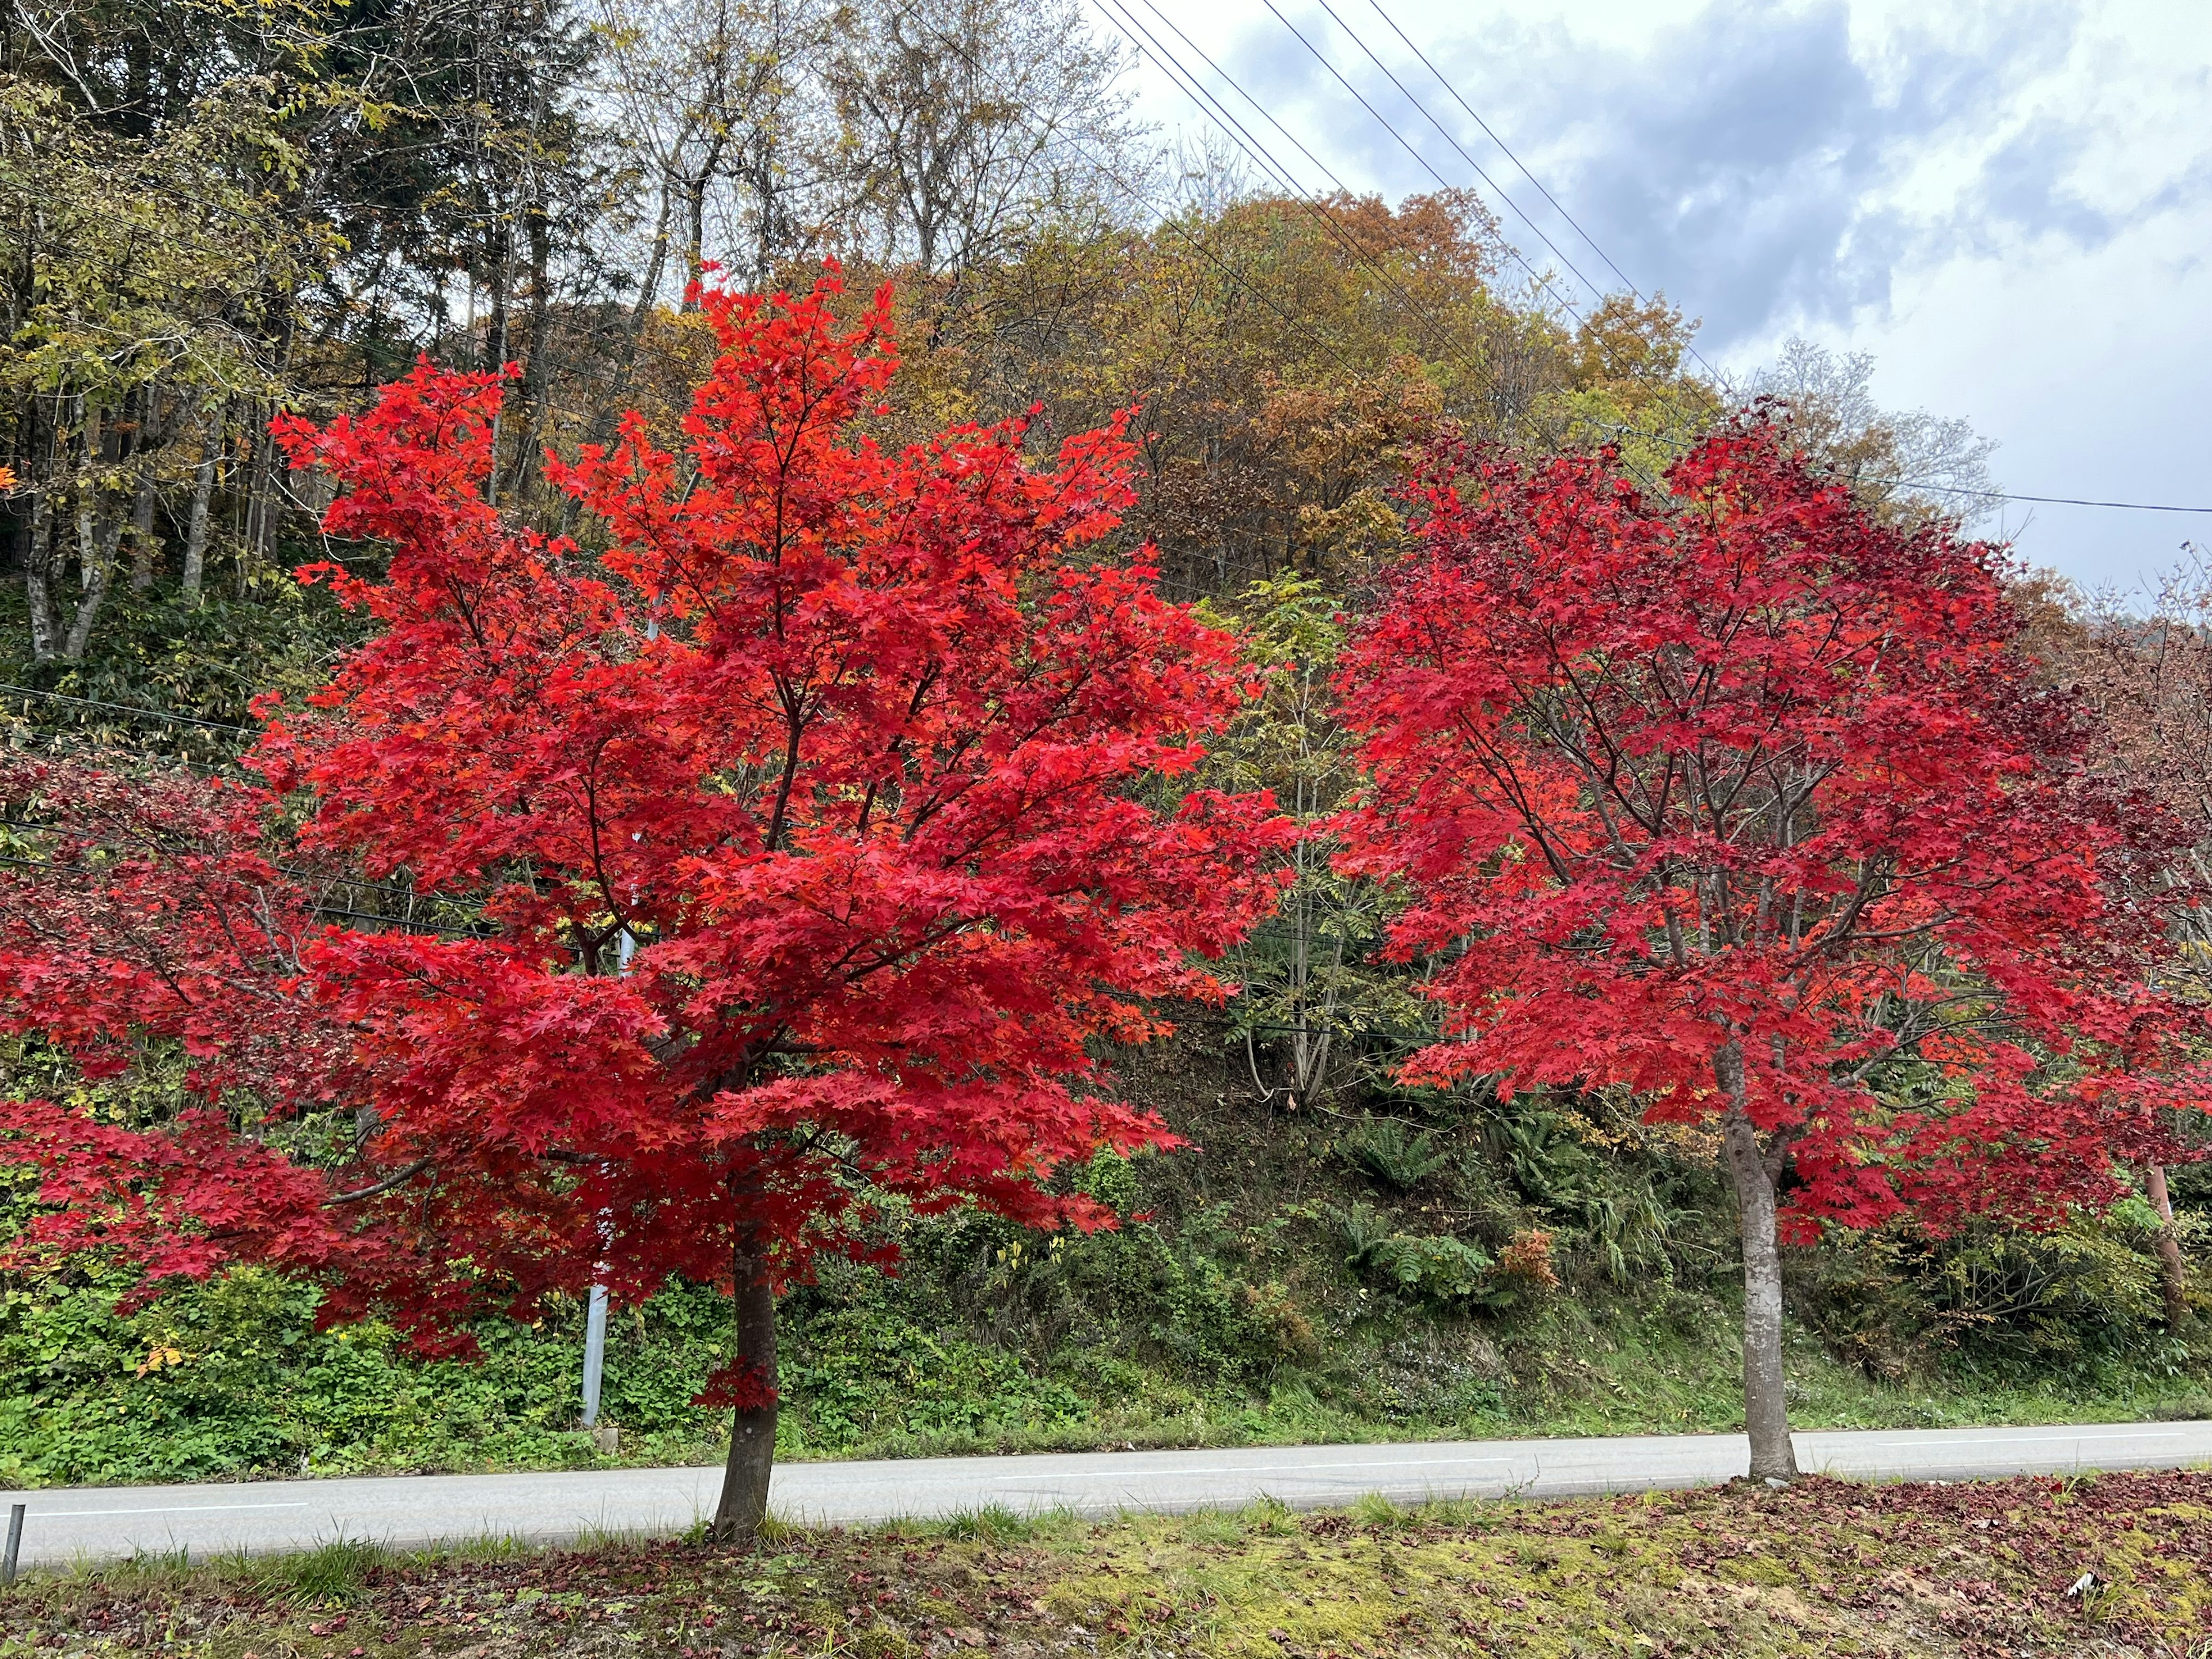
(1825, 1567)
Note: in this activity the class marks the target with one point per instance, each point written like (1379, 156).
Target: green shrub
(1381, 1148)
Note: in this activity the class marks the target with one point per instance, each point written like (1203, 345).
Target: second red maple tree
(1736, 798)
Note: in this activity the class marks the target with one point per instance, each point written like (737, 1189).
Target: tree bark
(1766, 1406)
(99, 534)
(752, 1431)
(40, 569)
(196, 526)
(98, 551)
(2173, 1276)
(531, 397)
(143, 548)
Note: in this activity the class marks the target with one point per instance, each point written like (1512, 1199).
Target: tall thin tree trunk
(2173, 1276)
(1765, 1406)
(695, 222)
(261, 515)
(143, 547)
(98, 554)
(257, 499)
(40, 568)
(496, 349)
(532, 396)
(87, 538)
(89, 437)
(695, 239)
(196, 525)
(752, 1431)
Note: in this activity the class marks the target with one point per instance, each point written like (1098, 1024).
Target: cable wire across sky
(1187, 81)
(1122, 15)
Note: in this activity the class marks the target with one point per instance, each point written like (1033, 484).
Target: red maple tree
(1733, 797)
(815, 831)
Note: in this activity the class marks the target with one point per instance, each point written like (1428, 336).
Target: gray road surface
(102, 1522)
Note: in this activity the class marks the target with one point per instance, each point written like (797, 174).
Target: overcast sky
(2007, 204)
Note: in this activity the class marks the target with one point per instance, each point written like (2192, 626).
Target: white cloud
(2008, 205)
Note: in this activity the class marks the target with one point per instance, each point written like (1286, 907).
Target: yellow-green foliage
(1825, 1567)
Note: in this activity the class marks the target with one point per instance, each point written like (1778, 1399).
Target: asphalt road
(88, 1523)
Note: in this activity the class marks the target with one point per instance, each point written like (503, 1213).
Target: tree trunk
(496, 345)
(752, 1431)
(531, 396)
(196, 526)
(40, 567)
(261, 507)
(87, 538)
(143, 548)
(257, 491)
(97, 550)
(2173, 1276)
(1765, 1408)
(695, 239)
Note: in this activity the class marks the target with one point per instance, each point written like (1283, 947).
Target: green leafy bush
(1381, 1148)
(1261, 1289)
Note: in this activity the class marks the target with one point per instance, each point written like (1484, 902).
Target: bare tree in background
(1911, 463)
(725, 103)
(973, 121)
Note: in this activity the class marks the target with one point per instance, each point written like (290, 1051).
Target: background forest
(213, 211)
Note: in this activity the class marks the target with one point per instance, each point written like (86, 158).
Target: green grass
(1239, 1304)
(1824, 1567)
(259, 1391)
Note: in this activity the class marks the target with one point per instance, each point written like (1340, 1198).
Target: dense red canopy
(1736, 773)
(886, 786)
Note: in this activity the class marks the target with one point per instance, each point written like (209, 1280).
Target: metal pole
(595, 1320)
(595, 1353)
(15, 1544)
(595, 1317)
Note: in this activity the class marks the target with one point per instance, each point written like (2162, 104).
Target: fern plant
(1381, 1148)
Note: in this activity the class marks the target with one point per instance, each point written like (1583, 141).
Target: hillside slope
(1421, 1268)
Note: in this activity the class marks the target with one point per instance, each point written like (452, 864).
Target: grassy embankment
(1825, 1567)
(1303, 1278)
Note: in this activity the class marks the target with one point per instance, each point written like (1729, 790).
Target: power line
(1188, 84)
(1671, 392)
(127, 709)
(1681, 447)
(1536, 276)
(1454, 91)
(1543, 282)
(1326, 172)
(2048, 500)
(1168, 222)
(1500, 143)
(1496, 189)
(1208, 104)
(1602, 344)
